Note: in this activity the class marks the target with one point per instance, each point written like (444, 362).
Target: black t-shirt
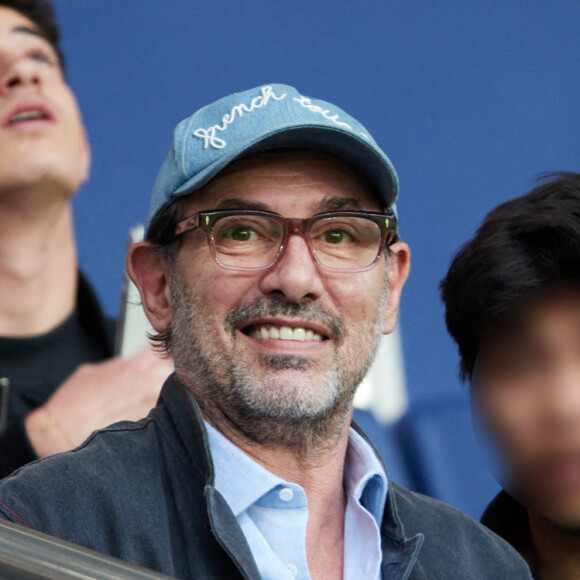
(31, 369)
(509, 520)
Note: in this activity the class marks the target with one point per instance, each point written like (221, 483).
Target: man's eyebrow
(339, 203)
(334, 203)
(239, 203)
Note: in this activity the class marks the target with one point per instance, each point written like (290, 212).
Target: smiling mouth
(279, 332)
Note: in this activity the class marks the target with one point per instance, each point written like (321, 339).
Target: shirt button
(293, 569)
(286, 494)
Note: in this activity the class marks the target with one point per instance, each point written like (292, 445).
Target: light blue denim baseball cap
(267, 117)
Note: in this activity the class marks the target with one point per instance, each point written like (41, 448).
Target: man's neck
(310, 467)
(38, 272)
(557, 550)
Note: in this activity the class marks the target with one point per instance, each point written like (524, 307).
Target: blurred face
(286, 345)
(527, 388)
(42, 139)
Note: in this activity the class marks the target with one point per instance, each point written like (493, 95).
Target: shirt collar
(241, 480)
(364, 477)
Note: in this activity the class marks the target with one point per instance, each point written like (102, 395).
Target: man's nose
(296, 274)
(19, 73)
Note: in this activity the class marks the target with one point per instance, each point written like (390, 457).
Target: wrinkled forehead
(300, 173)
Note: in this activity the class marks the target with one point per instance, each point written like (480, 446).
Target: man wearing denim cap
(270, 269)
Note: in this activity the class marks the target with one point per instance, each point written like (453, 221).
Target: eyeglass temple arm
(187, 224)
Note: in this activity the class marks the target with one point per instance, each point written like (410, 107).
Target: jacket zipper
(4, 398)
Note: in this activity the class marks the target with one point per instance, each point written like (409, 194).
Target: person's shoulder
(454, 540)
(62, 482)
(420, 513)
(414, 506)
(111, 444)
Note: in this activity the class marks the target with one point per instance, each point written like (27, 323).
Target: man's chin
(290, 414)
(289, 395)
(283, 362)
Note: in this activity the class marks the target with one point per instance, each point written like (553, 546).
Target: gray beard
(225, 387)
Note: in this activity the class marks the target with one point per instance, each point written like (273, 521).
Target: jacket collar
(186, 417)
(399, 552)
(188, 422)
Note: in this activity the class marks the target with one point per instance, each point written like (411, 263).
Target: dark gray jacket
(144, 492)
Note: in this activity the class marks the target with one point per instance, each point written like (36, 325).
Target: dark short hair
(522, 244)
(42, 14)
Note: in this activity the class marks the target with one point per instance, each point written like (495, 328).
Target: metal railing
(27, 554)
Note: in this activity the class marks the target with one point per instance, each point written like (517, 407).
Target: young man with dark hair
(271, 269)
(512, 300)
(55, 385)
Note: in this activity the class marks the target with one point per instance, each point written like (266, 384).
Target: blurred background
(470, 100)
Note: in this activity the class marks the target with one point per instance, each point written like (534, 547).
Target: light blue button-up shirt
(273, 512)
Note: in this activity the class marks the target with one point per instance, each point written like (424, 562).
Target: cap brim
(362, 156)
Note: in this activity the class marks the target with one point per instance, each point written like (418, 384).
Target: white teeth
(27, 116)
(284, 333)
(299, 334)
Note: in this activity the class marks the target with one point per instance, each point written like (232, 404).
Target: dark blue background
(471, 101)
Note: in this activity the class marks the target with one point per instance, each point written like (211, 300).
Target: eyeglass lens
(253, 241)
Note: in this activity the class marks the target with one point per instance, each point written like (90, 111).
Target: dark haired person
(271, 269)
(512, 301)
(53, 388)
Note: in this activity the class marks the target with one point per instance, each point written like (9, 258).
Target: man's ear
(399, 266)
(151, 274)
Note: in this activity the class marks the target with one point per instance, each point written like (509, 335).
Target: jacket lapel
(229, 534)
(189, 424)
(399, 553)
